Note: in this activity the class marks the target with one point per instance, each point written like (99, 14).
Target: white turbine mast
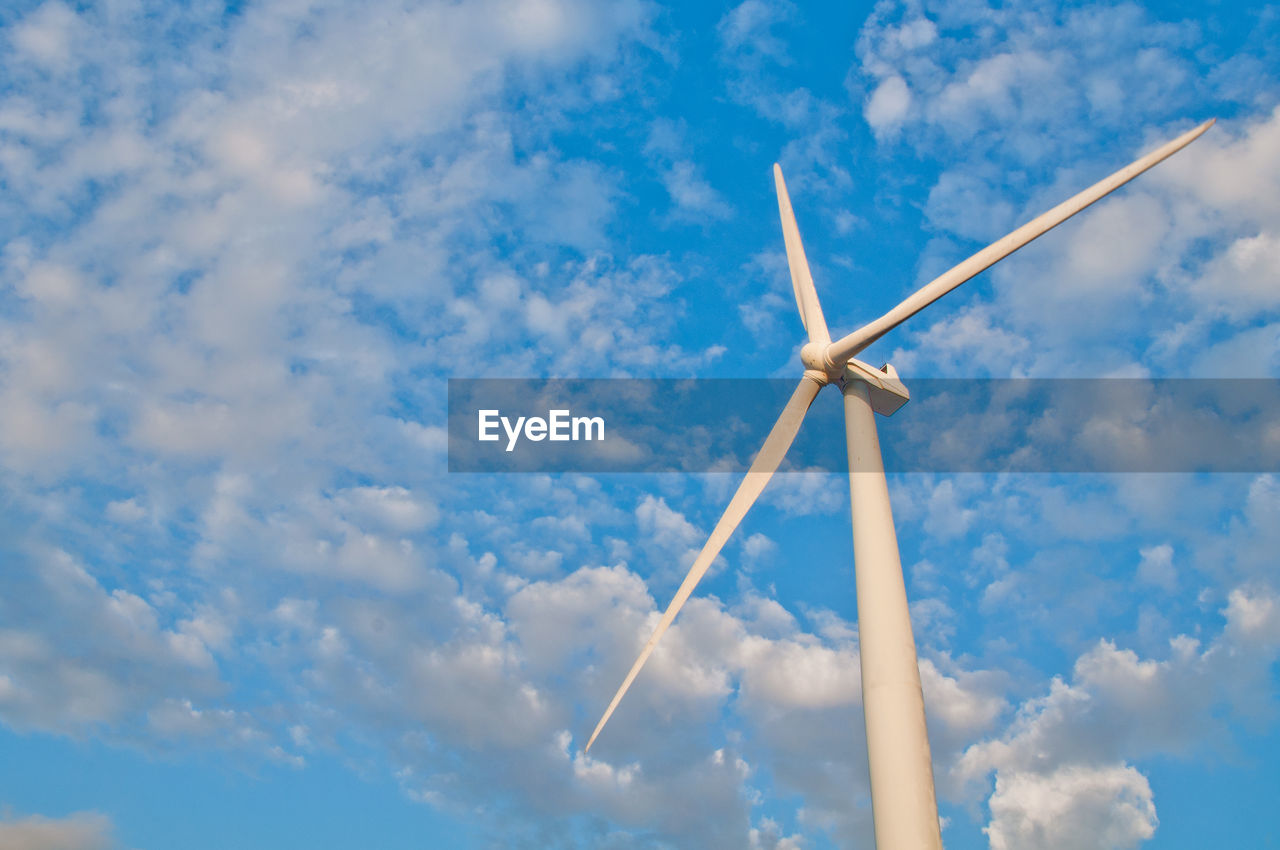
(903, 804)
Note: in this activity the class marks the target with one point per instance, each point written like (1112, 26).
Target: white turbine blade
(762, 469)
(840, 351)
(801, 280)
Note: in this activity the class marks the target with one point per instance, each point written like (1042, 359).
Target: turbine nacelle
(887, 392)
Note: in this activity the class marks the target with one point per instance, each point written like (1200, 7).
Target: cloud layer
(240, 251)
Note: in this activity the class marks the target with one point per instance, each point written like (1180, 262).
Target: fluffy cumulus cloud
(889, 103)
(1072, 809)
(1026, 91)
(1063, 772)
(509, 714)
(191, 283)
(958, 71)
(117, 662)
(207, 300)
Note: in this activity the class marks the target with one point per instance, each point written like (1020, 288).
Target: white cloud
(758, 547)
(80, 831)
(48, 36)
(969, 206)
(287, 237)
(1156, 566)
(178, 718)
(808, 493)
(118, 660)
(746, 29)
(1030, 102)
(1253, 618)
(1075, 808)
(976, 340)
(210, 342)
(1241, 281)
(394, 508)
(1063, 777)
(672, 541)
(961, 705)
(788, 675)
(755, 51)
(983, 75)
(669, 151)
(125, 510)
(505, 671)
(1232, 169)
(888, 105)
(692, 194)
(768, 836)
(945, 518)
(1001, 86)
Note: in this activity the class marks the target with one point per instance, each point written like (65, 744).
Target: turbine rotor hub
(814, 356)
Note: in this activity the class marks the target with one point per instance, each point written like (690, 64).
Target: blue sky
(242, 248)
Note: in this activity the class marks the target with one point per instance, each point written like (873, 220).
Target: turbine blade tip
(1201, 128)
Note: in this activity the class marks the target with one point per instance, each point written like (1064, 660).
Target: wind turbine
(904, 807)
